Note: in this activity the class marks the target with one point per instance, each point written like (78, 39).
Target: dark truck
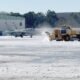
(20, 33)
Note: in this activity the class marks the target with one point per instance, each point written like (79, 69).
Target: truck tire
(66, 38)
(21, 35)
(78, 36)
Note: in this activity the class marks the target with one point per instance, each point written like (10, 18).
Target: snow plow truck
(65, 33)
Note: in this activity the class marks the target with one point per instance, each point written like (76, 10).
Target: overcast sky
(24, 6)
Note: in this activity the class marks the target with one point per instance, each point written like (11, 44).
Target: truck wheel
(21, 36)
(78, 36)
(66, 38)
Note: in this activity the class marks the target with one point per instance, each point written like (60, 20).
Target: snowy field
(38, 59)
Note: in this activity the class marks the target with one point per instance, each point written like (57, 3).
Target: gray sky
(24, 6)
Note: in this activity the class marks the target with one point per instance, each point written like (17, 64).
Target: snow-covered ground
(39, 59)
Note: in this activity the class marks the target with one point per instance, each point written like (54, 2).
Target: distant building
(11, 23)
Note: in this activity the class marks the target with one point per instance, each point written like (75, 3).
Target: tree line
(32, 19)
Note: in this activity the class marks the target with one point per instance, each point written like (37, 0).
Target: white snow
(39, 59)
